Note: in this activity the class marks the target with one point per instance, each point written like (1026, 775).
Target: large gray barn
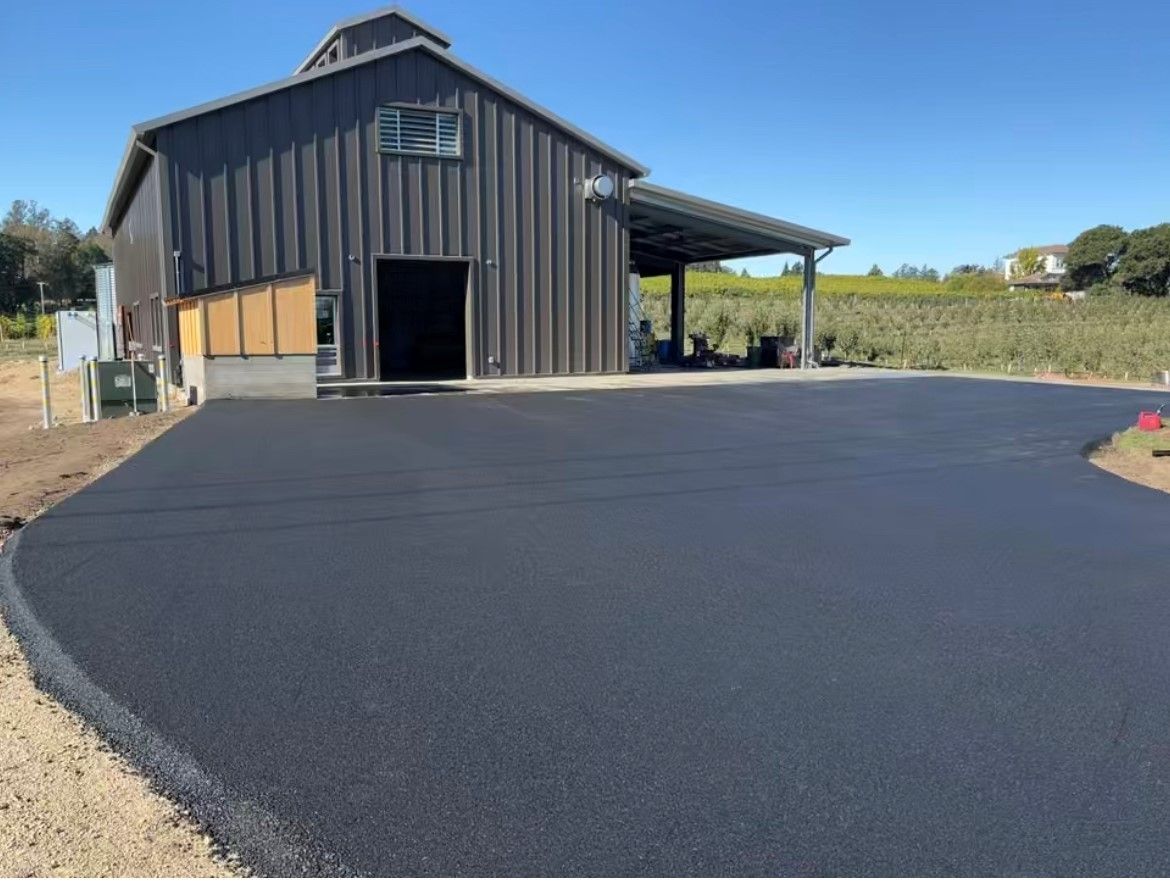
(448, 225)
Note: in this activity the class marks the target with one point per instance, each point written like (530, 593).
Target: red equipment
(1149, 421)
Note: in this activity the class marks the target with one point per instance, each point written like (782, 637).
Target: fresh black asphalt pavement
(890, 626)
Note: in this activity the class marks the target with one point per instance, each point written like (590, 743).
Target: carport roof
(669, 227)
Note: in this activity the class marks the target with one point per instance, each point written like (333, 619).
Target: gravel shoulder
(69, 806)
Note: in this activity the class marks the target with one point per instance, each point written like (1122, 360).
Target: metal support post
(678, 313)
(808, 311)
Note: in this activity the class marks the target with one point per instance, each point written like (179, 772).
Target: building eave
(122, 180)
(670, 200)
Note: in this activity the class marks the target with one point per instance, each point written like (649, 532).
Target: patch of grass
(1134, 440)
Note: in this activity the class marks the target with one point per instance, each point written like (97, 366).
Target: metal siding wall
(137, 270)
(294, 181)
(376, 34)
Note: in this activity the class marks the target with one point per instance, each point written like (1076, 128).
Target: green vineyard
(923, 325)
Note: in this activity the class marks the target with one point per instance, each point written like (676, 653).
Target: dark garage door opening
(422, 319)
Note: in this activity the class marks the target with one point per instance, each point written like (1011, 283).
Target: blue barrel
(664, 350)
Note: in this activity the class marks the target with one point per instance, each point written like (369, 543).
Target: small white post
(46, 401)
(95, 406)
(83, 388)
(162, 393)
(133, 387)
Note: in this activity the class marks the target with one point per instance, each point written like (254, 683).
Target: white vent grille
(417, 131)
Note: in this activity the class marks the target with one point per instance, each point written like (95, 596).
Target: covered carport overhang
(670, 229)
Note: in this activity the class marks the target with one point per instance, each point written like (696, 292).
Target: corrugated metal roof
(673, 226)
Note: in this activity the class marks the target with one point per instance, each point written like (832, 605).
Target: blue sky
(928, 132)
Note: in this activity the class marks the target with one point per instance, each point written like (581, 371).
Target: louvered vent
(416, 131)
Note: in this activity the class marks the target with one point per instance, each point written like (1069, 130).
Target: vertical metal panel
(293, 181)
(137, 270)
(261, 152)
(373, 34)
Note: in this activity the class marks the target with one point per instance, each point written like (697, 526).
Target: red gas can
(1149, 421)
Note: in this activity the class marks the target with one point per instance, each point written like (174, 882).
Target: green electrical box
(125, 387)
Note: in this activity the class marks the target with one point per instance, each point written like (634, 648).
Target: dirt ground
(1129, 455)
(68, 805)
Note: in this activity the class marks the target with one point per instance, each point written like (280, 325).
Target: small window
(418, 131)
(156, 322)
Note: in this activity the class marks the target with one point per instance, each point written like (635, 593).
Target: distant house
(1047, 279)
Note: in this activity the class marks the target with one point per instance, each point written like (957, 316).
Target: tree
(709, 266)
(1092, 256)
(1144, 268)
(39, 247)
(1028, 263)
(875, 270)
(969, 269)
(785, 271)
(928, 273)
(797, 268)
(906, 271)
(15, 285)
(744, 274)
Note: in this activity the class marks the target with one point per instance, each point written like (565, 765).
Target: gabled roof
(353, 21)
(144, 132)
(1041, 250)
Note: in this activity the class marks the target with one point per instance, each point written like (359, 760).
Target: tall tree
(1144, 268)
(875, 270)
(1093, 255)
(15, 285)
(1028, 263)
(50, 250)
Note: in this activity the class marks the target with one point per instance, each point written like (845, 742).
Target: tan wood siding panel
(223, 324)
(190, 328)
(256, 307)
(296, 320)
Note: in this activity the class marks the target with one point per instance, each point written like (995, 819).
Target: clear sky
(928, 132)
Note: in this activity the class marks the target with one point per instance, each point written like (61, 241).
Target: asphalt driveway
(875, 627)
